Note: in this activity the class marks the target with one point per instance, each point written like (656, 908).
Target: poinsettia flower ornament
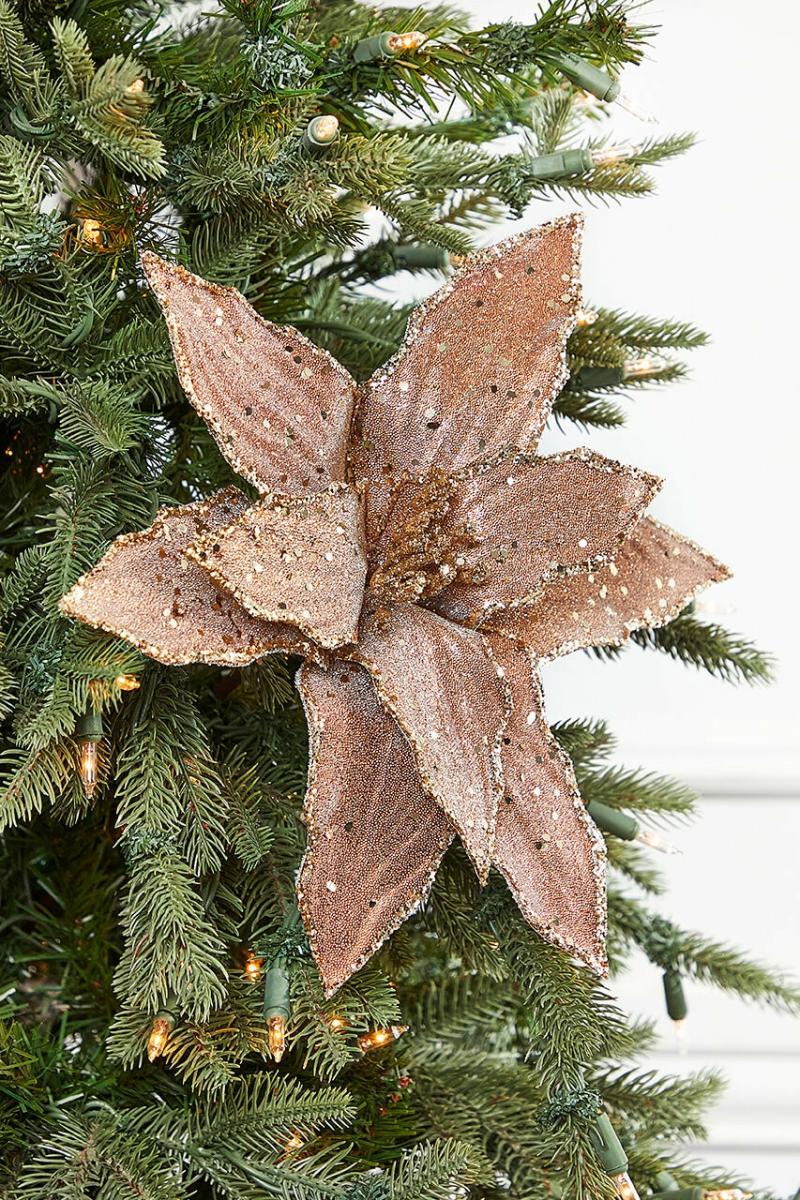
(409, 545)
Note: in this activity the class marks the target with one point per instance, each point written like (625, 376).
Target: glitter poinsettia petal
(375, 837)
(441, 685)
(525, 517)
(146, 590)
(298, 559)
(278, 406)
(483, 360)
(653, 576)
(547, 846)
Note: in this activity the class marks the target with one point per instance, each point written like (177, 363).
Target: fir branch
(709, 647)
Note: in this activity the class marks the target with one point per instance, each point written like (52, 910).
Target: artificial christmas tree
(166, 1031)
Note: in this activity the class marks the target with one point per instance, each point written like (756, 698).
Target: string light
(136, 88)
(321, 132)
(252, 968)
(387, 45)
(668, 1189)
(91, 232)
(612, 1156)
(380, 1037)
(127, 683)
(335, 1022)
(89, 732)
(276, 1007)
(160, 1030)
(626, 827)
(276, 1037)
(597, 83)
(675, 997)
(625, 1187)
(642, 368)
(294, 1144)
(585, 317)
(399, 43)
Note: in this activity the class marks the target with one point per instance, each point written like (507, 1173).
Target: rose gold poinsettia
(409, 545)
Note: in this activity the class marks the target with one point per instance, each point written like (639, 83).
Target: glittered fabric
(424, 560)
(653, 576)
(482, 362)
(298, 559)
(446, 693)
(526, 517)
(278, 406)
(148, 591)
(547, 846)
(375, 837)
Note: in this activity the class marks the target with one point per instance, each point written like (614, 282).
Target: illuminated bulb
(625, 102)
(252, 968)
(127, 683)
(609, 155)
(336, 1023)
(641, 368)
(680, 1036)
(159, 1036)
(585, 317)
(91, 232)
(656, 843)
(294, 1143)
(326, 128)
(398, 43)
(40, 469)
(90, 764)
(136, 88)
(625, 1188)
(380, 1037)
(276, 1037)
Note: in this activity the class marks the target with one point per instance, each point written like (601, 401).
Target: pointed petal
(483, 360)
(375, 837)
(653, 576)
(548, 847)
(147, 591)
(298, 559)
(440, 684)
(528, 517)
(278, 406)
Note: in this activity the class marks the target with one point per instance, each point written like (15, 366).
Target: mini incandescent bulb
(380, 1037)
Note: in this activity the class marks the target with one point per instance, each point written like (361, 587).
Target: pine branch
(709, 647)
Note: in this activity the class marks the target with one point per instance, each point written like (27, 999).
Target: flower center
(424, 553)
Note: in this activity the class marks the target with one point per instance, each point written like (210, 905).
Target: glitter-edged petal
(482, 362)
(375, 837)
(147, 591)
(653, 576)
(528, 517)
(298, 559)
(278, 406)
(547, 846)
(446, 693)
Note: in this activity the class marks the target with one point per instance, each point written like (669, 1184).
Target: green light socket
(371, 48)
(590, 378)
(677, 1008)
(584, 75)
(561, 165)
(90, 726)
(320, 133)
(419, 256)
(607, 1146)
(611, 820)
(276, 991)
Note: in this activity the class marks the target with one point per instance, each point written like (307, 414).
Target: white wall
(717, 246)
